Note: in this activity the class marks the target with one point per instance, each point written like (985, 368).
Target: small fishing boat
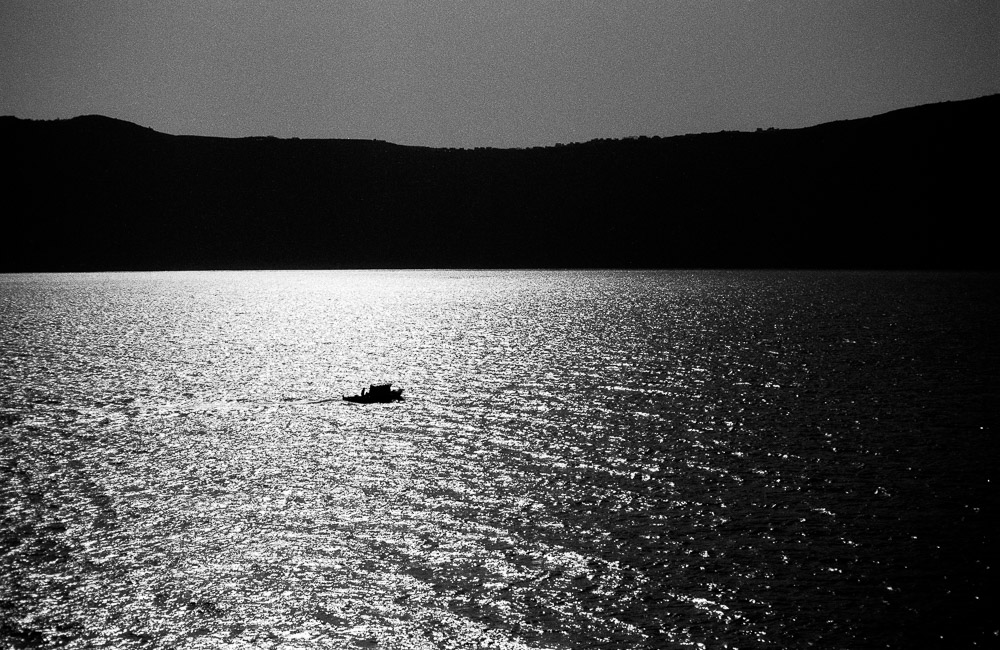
(376, 394)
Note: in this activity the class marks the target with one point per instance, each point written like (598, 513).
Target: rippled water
(584, 459)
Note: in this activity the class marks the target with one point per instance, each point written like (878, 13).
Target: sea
(583, 459)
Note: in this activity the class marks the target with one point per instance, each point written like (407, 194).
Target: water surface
(584, 459)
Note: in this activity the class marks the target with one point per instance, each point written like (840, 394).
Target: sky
(496, 73)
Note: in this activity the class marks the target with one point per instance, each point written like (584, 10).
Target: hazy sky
(490, 72)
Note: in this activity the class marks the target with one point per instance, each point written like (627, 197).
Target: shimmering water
(584, 459)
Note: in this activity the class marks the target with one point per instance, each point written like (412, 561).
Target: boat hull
(393, 396)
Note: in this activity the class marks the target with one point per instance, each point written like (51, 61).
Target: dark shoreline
(903, 190)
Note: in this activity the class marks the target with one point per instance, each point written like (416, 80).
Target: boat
(376, 394)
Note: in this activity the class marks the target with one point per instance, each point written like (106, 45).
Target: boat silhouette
(376, 393)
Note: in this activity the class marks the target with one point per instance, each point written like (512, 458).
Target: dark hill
(908, 189)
